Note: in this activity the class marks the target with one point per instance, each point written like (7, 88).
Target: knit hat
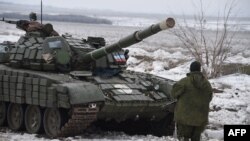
(195, 66)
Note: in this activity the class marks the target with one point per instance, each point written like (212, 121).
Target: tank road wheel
(15, 116)
(52, 121)
(33, 119)
(2, 113)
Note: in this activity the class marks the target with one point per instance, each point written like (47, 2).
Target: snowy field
(163, 55)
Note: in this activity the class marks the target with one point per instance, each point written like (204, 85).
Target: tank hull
(127, 97)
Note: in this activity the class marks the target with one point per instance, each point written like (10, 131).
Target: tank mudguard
(82, 93)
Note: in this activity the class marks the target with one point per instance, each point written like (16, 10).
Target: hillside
(63, 18)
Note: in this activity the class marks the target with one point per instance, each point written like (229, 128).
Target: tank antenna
(41, 11)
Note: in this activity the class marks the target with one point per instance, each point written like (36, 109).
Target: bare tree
(213, 50)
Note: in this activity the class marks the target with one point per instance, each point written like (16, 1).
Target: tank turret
(129, 40)
(64, 53)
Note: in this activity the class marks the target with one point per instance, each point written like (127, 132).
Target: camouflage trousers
(186, 132)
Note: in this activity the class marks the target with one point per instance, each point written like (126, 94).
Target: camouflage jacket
(29, 26)
(33, 26)
(193, 94)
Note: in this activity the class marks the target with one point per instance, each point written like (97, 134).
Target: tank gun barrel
(129, 40)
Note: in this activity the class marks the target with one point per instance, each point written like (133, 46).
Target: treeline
(62, 18)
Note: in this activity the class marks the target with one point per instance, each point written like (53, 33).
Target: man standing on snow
(193, 94)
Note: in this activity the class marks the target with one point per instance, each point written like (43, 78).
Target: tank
(67, 86)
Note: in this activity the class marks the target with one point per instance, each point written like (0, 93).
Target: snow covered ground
(162, 55)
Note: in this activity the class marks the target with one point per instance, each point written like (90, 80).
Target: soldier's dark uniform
(193, 94)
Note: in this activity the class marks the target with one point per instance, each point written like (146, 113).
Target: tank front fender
(82, 93)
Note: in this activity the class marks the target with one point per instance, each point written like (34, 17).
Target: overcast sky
(146, 6)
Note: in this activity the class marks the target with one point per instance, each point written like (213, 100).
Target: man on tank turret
(49, 30)
(32, 16)
(31, 25)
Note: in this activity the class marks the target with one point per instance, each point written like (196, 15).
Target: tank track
(81, 118)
